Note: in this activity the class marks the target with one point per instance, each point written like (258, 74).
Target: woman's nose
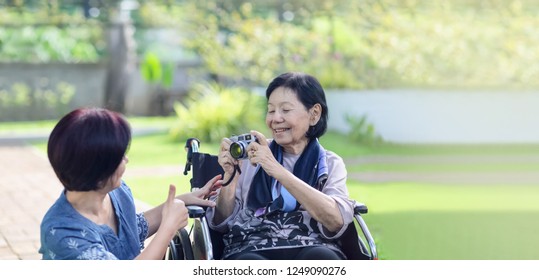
(277, 117)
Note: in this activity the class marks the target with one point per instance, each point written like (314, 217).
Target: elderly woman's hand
(225, 159)
(260, 153)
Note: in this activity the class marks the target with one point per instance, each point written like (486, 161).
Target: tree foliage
(212, 112)
(347, 44)
(370, 44)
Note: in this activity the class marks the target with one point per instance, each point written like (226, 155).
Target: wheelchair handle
(191, 146)
(195, 211)
(361, 209)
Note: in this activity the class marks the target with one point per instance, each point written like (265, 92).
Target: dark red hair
(87, 146)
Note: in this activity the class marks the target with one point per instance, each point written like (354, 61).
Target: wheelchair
(202, 243)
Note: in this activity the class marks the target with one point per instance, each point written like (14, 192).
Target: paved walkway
(28, 186)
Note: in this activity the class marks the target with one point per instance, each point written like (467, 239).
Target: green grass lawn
(407, 220)
(346, 147)
(436, 221)
(494, 166)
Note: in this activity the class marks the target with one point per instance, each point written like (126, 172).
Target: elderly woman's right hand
(225, 159)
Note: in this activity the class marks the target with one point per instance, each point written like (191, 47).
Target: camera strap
(236, 170)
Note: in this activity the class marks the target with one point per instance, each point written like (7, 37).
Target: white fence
(427, 116)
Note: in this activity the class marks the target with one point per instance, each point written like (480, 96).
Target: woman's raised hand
(225, 159)
(174, 215)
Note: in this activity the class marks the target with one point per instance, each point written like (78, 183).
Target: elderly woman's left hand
(260, 153)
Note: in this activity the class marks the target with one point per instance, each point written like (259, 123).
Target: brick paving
(28, 186)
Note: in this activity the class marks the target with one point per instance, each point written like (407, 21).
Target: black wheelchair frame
(203, 243)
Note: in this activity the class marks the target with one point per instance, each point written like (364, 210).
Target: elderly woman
(290, 200)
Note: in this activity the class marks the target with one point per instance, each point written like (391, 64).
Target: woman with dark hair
(95, 215)
(290, 200)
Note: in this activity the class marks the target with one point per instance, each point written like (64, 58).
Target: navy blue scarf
(311, 168)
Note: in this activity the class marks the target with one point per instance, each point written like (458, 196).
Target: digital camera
(238, 148)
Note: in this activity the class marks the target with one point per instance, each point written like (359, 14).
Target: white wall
(426, 116)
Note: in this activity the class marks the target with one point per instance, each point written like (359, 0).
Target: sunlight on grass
(48, 125)
(394, 197)
(444, 167)
(153, 190)
(27, 127)
(155, 150)
(441, 235)
(436, 221)
(347, 148)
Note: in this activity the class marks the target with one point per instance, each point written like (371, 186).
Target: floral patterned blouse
(244, 231)
(67, 235)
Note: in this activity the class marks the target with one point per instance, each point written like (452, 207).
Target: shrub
(362, 131)
(212, 112)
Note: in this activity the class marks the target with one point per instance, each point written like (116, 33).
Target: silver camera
(238, 148)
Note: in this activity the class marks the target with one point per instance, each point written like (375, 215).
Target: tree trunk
(121, 65)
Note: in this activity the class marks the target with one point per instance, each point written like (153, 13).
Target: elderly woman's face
(288, 120)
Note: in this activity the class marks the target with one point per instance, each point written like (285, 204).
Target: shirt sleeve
(142, 228)
(336, 188)
(74, 244)
(246, 176)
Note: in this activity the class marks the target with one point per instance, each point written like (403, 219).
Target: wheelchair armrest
(195, 211)
(360, 208)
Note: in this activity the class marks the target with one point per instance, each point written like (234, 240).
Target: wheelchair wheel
(180, 247)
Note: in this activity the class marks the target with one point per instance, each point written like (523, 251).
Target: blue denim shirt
(67, 235)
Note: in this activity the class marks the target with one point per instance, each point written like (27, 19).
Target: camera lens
(236, 150)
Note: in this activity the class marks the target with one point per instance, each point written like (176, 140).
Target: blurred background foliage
(212, 112)
(347, 44)
(242, 44)
(19, 100)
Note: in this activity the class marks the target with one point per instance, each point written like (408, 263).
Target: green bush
(50, 43)
(362, 131)
(211, 112)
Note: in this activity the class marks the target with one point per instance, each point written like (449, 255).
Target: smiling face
(289, 120)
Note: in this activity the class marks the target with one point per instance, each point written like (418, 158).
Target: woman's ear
(314, 114)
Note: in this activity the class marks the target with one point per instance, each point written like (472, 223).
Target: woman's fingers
(171, 193)
(260, 138)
